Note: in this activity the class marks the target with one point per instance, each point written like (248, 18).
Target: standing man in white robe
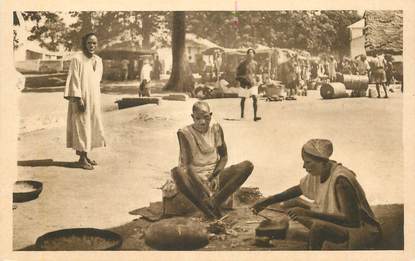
(84, 125)
(145, 77)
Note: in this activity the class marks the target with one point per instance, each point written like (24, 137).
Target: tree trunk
(181, 79)
(86, 21)
(146, 29)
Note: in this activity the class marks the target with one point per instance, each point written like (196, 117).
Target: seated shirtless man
(201, 175)
(340, 212)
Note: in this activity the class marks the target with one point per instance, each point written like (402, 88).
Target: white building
(29, 56)
(195, 45)
(357, 38)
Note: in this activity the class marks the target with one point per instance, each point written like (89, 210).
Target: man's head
(388, 57)
(89, 43)
(217, 54)
(202, 116)
(378, 52)
(250, 53)
(363, 57)
(316, 154)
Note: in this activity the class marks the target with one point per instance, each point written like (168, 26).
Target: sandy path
(142, 147)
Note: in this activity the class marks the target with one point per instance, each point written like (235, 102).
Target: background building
(357, 39)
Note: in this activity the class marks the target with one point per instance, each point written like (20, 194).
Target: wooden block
(176, 97)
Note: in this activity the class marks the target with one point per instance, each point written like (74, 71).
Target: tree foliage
(51, 31)
(314, 31)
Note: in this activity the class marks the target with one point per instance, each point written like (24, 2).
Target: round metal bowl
(26, 190)
(79, 239)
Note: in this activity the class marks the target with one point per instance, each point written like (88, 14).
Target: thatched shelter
(124, 50)
(384, 31)
(113, 55)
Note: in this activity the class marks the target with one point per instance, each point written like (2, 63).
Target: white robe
(84, 129)
(146, 72)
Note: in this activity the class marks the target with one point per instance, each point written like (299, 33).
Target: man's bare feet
(84, 164)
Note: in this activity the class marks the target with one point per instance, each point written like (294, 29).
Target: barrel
(333, 90)
(356, 82)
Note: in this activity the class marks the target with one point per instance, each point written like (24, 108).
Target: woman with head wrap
(339, 213)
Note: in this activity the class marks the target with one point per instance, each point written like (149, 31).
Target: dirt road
(142, 148)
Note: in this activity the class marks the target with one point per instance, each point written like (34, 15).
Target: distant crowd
(299, 71)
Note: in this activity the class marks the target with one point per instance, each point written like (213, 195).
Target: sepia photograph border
(9, 120)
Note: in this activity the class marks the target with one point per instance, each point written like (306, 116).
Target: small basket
(26, 190)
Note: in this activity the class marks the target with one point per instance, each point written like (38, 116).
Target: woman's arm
(290, 193)
(346, 201)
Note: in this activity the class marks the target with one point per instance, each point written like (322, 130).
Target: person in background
(332, 67)
(314, 70)
(291, 76)
(157, 67)
(265, 75)
(217, 61)
(346, 67)
(321, 68)
(306, 74)
(246, 75)
(326, 61)
(85, 130)
(363, 67)
(297, 70)
(339, 213)
(389, 69)
(201, 66)
(353, 64)
(379, 74)
(124, 69)
(145, 76)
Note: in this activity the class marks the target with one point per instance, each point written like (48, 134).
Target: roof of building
(383, 31)
(204, 43)
(34, 46)
(123, 50)
(358, 24)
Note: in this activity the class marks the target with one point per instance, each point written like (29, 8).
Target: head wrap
(320, 148)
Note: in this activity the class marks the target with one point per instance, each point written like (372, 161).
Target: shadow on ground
(47, 163)
(44, 89)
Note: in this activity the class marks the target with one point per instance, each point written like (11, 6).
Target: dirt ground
(142, 148)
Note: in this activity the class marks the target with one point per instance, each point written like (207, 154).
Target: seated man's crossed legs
(230, 179)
